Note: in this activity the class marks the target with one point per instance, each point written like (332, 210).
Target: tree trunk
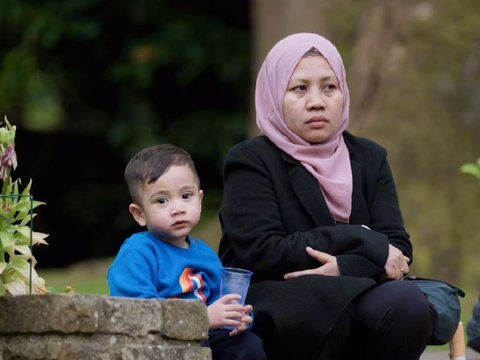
(272, 20)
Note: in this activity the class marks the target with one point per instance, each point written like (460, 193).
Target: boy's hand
(226, 312)
(244, 321)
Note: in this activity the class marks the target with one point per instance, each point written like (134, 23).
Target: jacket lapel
(308, 191)
(359, 214)
(310, 195)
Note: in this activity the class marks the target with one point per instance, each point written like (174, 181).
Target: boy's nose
(177, 210)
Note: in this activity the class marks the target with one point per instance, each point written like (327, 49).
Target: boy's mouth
(180, 223)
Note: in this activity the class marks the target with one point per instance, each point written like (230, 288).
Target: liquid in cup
(235, 281)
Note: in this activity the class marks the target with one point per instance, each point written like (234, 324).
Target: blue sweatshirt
(147, 267)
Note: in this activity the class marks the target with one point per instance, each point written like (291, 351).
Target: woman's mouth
(317, 122)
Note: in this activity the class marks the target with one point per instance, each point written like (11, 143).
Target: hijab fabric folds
(328, 162)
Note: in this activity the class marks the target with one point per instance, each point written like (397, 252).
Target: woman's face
(313, 102)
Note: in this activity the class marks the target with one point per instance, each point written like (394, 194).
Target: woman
(312, 210)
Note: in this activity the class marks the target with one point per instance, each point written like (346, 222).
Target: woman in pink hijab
(313, 211)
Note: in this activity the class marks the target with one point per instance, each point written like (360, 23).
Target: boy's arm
(133, 273)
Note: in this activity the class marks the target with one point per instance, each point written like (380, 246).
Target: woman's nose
(315, 99)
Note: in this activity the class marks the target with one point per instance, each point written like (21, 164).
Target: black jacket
(273, 208)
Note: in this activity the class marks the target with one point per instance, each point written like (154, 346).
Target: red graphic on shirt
(191, 282)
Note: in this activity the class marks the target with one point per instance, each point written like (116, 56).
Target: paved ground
(443, 355)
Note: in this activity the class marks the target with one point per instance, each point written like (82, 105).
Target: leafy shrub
(17, 273)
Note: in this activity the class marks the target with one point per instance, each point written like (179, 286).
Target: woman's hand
(329, 267)
(397, 264)
(226, 311)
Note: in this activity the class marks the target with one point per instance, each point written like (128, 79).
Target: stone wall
(91, 327)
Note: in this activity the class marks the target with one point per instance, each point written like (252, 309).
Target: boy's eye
(187, 196)
(162, 201)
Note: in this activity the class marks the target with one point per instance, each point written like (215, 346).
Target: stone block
(184, 320)
(94, 327)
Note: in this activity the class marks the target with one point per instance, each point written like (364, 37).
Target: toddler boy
(165, 261)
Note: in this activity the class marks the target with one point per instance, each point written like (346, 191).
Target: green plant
(17, 273)
(472, 169)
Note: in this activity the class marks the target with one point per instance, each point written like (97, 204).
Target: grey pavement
(443, 355)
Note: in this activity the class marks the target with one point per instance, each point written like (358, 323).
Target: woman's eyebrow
(306, 80)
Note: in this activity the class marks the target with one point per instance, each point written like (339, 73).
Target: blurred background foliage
(425, 110)
(90, 82)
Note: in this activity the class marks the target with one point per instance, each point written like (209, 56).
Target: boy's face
(171, 206)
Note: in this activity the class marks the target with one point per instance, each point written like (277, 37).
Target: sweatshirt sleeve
(133, 272)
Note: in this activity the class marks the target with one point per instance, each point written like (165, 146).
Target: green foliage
(80, 278)
(425, 113)
(128, 75)
(17, 275)
(130, 71)
(29, 79)
(472, 169)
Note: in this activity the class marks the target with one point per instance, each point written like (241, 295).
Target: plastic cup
(235, 281)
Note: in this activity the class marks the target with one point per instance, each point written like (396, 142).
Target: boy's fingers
(230, 297)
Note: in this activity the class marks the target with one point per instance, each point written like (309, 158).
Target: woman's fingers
(397, 271)
(328, 265)
(319, 255)
(299, 273)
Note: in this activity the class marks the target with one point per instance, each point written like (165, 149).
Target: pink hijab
(328, 162)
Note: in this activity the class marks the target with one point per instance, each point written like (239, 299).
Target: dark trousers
(392, 321)
(244, 346)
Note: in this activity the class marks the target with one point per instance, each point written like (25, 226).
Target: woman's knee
(412, 305)
(400, 302)
(393, 315)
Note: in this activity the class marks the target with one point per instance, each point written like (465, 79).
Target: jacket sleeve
(254, 233)
(384, 210)
(376, 190)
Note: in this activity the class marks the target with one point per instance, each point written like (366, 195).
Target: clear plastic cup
(235, 281)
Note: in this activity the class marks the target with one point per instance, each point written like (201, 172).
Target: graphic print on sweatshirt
(191, 282)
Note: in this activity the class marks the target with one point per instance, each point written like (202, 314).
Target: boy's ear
(200, 196)
(137, 214)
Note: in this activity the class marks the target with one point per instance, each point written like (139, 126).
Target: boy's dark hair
(149, 164)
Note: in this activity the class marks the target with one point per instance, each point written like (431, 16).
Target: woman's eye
(330, 87)
(300, 88)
